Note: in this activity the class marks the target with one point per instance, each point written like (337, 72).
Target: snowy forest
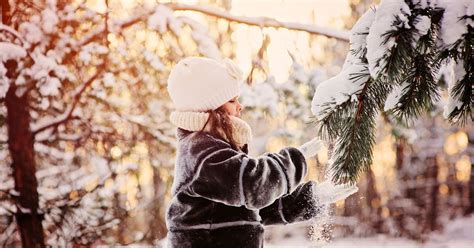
(87, 150)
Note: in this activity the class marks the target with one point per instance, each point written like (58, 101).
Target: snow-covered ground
(458, 233)
(372, 242)
(375, 242)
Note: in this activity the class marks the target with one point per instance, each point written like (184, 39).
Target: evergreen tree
(393, 66)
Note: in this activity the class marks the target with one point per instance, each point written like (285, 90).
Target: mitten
(300, 205)
(327, 192)
(311, 148)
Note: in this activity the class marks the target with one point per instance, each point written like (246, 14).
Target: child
(221, 196)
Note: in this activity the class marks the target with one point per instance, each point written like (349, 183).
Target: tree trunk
(396, 212)
(157, 223)
(20, 144)
(352, 208)
(470, 153)
(374, 202)
(432, 193)
(5, 10)
(121, 214)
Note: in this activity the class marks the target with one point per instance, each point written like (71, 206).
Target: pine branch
(353, 153)
(420, 93)
(360, 52)
(421, 89)
(463, 90)
(352, 125)
(329, 128)
(411, 60)
(398, 57)
(357, 134)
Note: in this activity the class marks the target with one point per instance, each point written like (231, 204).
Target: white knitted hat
(199, 84)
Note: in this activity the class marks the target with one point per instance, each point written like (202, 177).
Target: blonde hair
(220, 126)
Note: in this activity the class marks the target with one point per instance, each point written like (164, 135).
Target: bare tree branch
(63, 118)
(102, 31)
(342, 35)
(7, 233)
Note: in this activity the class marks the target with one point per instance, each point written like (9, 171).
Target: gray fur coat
(222, 197)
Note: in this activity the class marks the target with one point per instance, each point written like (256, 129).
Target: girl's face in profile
(233, 107)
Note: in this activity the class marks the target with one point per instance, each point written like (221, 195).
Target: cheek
(229, 108)
(232, 108)
(236, 107)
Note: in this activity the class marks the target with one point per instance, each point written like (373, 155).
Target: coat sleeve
(300, 205)
(233, 178)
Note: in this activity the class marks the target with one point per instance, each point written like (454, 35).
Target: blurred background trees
(87, 151)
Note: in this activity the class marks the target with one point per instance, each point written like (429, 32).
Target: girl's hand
(311, 148)
(327, 192)
(305, 202)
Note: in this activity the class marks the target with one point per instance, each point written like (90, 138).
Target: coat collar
(181, 133)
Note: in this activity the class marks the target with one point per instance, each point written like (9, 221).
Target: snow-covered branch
(11, 31)
(38, 128)
(342, 35)
(396, 51)
(100, 33)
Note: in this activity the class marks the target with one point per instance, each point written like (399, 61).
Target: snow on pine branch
(455, 103)
(395, 55)
(455, 21)
(378, 45)
(456, 40)
(335, 91)
(342, 88)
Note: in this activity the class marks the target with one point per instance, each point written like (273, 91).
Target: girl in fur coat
(221, 196)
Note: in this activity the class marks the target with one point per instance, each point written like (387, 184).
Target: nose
(240, 107)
